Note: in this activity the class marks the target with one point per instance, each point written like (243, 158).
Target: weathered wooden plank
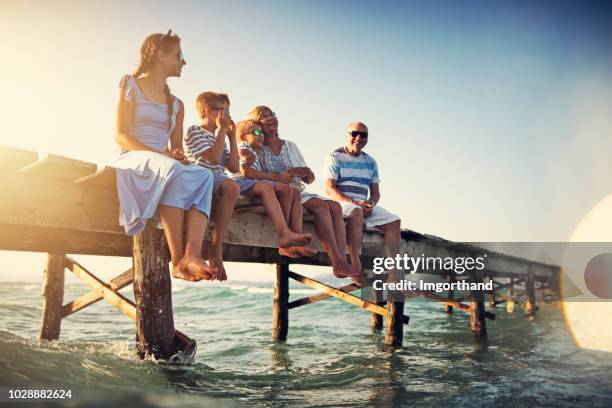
(347, 297)
(321, 296)
(119, 301)
(116, 284)
(104, 178)
(36, 201)
(453, 303)
(15, 237)
(53, 295)
(14, 159)
(59, 167)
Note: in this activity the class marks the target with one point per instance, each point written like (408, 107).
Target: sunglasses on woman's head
(355, 133)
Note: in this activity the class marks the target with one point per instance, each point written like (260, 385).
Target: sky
(489, 120)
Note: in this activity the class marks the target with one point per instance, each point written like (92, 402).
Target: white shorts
(378, 216)
(307, 196)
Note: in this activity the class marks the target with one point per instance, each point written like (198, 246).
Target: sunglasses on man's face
(355, 133)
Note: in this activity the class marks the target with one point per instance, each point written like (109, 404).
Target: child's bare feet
(292, 239)
(306, 250)
(178, 274)
(217, 262)
(290, 252)
(297, 251)
(344, 270)
(196, 266)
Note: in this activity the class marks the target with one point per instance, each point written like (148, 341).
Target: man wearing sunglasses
(352, 180)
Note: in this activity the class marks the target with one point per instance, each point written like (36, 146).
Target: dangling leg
(355, 236)
(173, 220)
(223, 208)
(325, 232)
(192, 262)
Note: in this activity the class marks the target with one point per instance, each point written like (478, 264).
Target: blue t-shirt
(353, 174)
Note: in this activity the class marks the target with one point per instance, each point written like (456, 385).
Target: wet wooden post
(376, 320)
(477, 313)
(395, 318)
(280, 312)
(153, 295)
(53, 297)
(492, 298)
(450, 294)
(530, 308)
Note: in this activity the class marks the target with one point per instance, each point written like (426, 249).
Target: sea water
(331, 358)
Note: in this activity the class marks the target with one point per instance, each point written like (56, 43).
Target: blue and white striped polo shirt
(198, 141)
(353, 174)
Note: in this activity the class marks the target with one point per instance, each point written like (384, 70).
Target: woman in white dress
(153, 177)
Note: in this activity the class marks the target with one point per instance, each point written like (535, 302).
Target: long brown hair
(148, 54)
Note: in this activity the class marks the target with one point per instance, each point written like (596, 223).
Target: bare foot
(217, 262)
(290, 252)
(196, 266)
(292, 239)
(344, 270)
(306, 250)
(178, 274)
(357, 280)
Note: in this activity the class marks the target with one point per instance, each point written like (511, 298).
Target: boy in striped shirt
(352, 180)
(207, 145)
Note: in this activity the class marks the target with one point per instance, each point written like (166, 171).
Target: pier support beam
(280, 312)
(53, 297)
(477, 313)
(376, 321)
(153, 295)
(530, 306)
(395, 318)
(450, 294)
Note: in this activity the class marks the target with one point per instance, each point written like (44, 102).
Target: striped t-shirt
(256, 165)
(353, 174)
(198, 141)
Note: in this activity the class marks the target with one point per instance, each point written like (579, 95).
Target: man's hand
(366, 206)
(176, 154)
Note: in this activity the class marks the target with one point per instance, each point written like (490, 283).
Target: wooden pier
(63, 206)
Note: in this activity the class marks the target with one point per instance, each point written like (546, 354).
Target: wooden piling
(376, 320)
(280, 311)
(53, 297)
(477, 314)
(395, 315)
(450, 294)
(153, 295)
(530, 309)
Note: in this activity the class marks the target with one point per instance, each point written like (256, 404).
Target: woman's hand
(177, 154)
(299, 171)
(284, 178)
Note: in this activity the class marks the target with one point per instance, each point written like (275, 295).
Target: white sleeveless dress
(146, 179)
